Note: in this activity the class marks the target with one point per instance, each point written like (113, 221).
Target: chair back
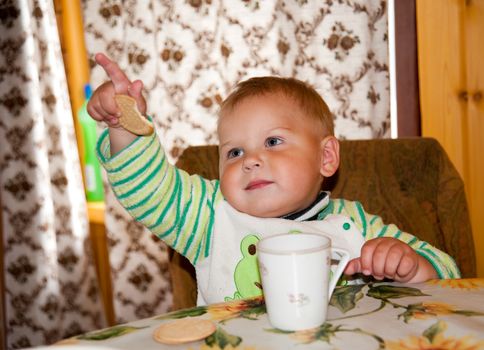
(409, 182)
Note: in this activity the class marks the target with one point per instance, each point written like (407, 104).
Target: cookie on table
(183, 331)
(131, 119)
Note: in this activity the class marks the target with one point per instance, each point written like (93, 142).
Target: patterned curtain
(190, 54)
(50, 282)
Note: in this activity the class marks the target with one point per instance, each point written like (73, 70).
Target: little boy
(276, 147)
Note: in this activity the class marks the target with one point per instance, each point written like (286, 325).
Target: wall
(450, 34)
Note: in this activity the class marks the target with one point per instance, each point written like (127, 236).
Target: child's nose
(251, 162)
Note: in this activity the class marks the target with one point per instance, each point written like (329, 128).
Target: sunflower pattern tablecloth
(438, 314)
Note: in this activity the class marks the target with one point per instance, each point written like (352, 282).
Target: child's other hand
(102, 106)
(388, 257)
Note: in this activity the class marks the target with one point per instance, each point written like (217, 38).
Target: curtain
(50, 283)
(190, 54)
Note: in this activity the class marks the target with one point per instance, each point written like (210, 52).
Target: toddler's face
(270, 156)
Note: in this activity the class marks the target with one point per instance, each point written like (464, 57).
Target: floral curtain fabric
(50, 282)
(189, 54)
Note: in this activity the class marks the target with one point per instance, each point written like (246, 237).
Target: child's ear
(330, 156)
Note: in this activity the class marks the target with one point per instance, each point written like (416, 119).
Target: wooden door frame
(406, 68)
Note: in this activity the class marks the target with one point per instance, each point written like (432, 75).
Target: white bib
(231, 272)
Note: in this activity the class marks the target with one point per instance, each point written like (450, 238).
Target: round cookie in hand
(131, 119)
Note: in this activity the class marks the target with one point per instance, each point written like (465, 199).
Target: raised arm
(102, 105)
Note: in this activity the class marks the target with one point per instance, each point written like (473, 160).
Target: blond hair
(306, 96)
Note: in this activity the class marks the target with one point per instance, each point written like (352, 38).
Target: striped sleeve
(372, 226)
(176, 207)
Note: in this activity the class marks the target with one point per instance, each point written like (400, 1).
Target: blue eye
(234, 153)
(273, 141)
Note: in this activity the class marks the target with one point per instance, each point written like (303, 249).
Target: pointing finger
(117, 76)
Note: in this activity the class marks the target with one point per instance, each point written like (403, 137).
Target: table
(437, 314)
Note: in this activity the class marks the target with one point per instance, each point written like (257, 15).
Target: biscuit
(131, 119)
(183, 331)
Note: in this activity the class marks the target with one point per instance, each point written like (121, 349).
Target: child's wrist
(425, 271)
(120, 138)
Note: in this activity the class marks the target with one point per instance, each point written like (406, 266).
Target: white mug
(297, 279)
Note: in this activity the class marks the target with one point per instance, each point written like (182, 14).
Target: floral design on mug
(299, 299)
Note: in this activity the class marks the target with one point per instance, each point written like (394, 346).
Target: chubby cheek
(229, 182)
(303, 179)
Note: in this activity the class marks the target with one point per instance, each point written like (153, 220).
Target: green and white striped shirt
(181, 209)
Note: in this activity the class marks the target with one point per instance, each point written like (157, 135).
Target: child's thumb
(135, 91)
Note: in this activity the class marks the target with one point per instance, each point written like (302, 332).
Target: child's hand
(102, 106)
(391, 258)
